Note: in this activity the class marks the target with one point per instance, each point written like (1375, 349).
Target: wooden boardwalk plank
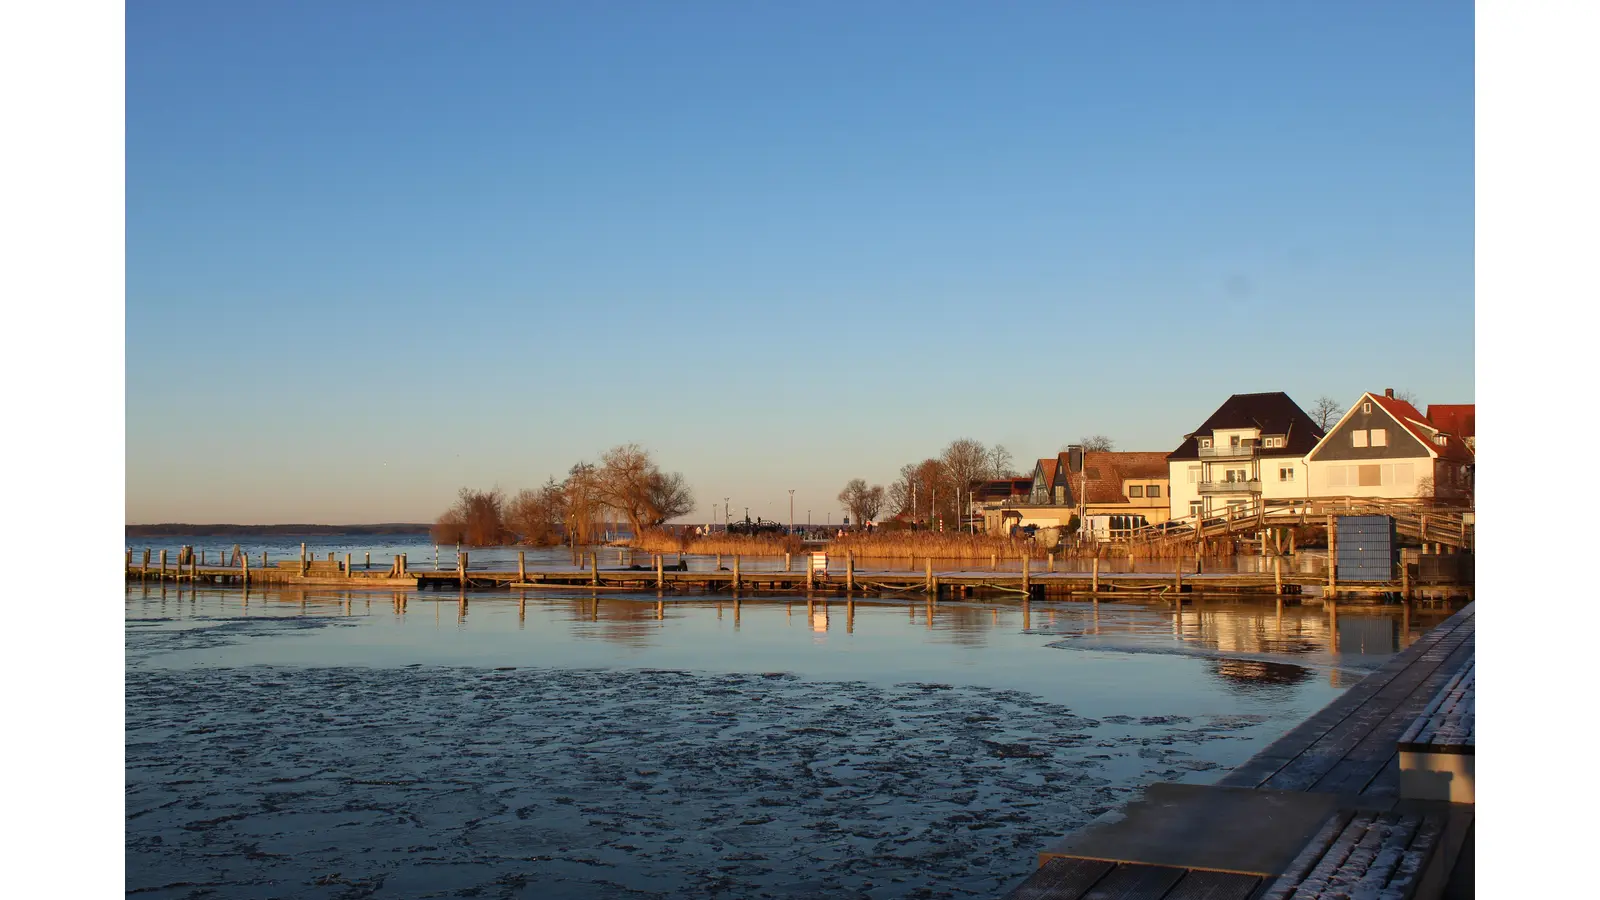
(1061, 879)
(1136, 882)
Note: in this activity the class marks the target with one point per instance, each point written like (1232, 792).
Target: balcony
(1230, 487)
(1233, 451)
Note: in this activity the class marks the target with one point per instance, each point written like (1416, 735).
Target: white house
(1384, 448)
(1251, 450)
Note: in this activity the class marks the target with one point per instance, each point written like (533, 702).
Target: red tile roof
(1106, 470)
(1459, 419)
(1420, 427)
(1049, 465)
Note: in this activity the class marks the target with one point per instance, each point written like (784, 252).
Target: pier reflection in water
(1002, 642)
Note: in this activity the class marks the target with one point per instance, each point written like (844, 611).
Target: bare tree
(1097, 443)
(1408, 396)
(538, 515)
(583, 505)
(629, 482)
(1000, 462)
(477, 519)
(1325, 412)
(861, 502)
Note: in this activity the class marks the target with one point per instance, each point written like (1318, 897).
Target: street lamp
(791, 510)
(725, 512)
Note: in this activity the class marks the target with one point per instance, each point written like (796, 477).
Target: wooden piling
(849, 571)
(1405, 580)
(302, 559)
(786, 562)
(348, 572)
(144, 567)
(461, 569)
(1027, 587)
(736, 571)
(1277, 575)
(522, 567)
(811, 572)
(1052, 561)
(927, 577)
(368, 563)
(994, 562)
(661, 580)
(1094, 575)
(244, 569)
(1333, 556)
(1177, 579)
(719, 562)
(394, 570)
(594, 568)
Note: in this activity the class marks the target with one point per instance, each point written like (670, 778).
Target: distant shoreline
(171, 528)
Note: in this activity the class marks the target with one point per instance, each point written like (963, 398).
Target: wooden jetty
(935, 584)
(1322, 812)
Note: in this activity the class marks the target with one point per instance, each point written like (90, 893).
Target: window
(1380, 437)
(1358, 438)
(1441, 439)
(1338, 475)
(1136, 490)
(1196, 507)
(1061, 494)
(1366, 409)
(1194, 474)
(1274, 441)
(1286, 474)
(1153, 490)
(1371, 476)
(1205, 443)
(1238, 475)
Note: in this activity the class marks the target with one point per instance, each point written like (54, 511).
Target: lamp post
(791, 511)
(725, 513)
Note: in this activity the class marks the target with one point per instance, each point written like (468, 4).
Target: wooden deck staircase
(1450, 526)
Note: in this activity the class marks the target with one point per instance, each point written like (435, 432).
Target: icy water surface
(347, 745)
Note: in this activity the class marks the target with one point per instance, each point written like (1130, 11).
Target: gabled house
(1050, 482)
(1131, 483)
(1251, 450)
(1385, 448)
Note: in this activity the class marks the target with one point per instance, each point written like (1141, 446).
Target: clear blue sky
(378, 251)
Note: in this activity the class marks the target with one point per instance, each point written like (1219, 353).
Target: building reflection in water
(1253, 676)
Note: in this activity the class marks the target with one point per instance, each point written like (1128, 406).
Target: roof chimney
(1389, 392)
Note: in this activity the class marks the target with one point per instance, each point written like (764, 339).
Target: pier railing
(1416, 519)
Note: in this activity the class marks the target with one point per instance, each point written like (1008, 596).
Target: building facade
(1384, 448)
(1250, 451)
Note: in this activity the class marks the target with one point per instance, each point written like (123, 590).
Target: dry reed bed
(726, 544)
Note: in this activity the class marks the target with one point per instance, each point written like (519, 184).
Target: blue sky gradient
(378, 251)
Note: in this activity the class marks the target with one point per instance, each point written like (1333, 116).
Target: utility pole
(791, 511)
(725, 515)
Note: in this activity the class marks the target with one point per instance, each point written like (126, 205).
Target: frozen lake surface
(341, 744)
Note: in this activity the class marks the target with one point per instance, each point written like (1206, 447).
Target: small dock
(1321, 812)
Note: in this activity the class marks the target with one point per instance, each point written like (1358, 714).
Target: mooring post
(1177, 578)
(144, 567)
(263, 559)
(163, 565)
(1026, 585)
(522, 566)
(348, 573)
(368, 563)
(127, 560)
(1094, 575)
(1405, 580)
(719, 562)
(811, 571)
(594, 568)
(1052, 563)
(849, 571)
(994, 562)
(736, 571)
(1277, 575)
(661, 580)
(244, 569)
(1333, 557)
(786, 562)
(302, 559)
(461, 569)
(927, 576)
(394, 569)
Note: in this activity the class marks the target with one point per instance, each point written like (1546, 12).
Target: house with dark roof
(1251, 450)
(1383, 447)
(1108, 483)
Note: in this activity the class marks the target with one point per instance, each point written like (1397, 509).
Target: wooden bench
(1436, 751)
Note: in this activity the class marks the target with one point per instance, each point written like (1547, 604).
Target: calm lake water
(558, 744)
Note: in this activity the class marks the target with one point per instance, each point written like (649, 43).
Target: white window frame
(1358, 437)
(1286, 473)
(1366, 408)
(1194, 474)
(1379, 437)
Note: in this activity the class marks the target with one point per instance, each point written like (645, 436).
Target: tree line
(626, 483)
(932, 491)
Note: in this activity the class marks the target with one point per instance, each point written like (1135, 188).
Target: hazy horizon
(379, 253)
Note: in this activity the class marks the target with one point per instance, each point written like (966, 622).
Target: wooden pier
(1321, 812)
(835, 576)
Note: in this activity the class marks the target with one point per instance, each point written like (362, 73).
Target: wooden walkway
(1328, 790)
(929, 583)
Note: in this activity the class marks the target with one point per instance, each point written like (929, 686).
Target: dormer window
(1441, 439)
(1205, 443)
(1273, 441)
